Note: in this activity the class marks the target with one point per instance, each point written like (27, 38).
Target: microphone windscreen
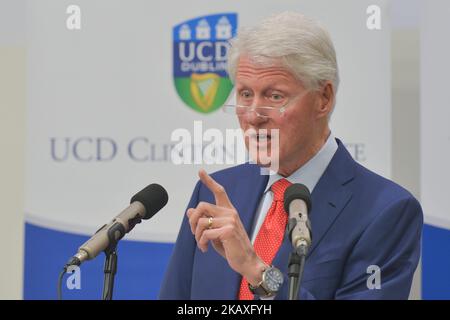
(297, 191)
(154, 197)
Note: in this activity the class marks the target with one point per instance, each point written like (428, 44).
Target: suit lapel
(331, 195)
(329, 198)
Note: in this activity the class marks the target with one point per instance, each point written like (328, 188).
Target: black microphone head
(297, 191)
(154, 197)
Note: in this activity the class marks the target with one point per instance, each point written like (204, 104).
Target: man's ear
(325, 101)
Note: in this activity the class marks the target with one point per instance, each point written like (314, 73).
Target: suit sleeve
(176, 284)
(392, 243)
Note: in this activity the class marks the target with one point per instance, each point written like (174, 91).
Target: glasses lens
(241, 110)
(265, 112)
(235, 110)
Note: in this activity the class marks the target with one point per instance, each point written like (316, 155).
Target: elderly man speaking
(233, 240)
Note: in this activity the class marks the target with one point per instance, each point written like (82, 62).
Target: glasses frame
(249, 109)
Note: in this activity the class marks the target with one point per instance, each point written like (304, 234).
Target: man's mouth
(261, 137)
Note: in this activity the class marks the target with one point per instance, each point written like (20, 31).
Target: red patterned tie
(271, 234)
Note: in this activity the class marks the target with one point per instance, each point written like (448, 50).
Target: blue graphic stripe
(436, 263)
(141, 266)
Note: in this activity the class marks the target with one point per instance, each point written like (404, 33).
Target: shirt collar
(310, 173)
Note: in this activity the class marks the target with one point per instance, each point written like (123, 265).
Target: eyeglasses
(264, 112)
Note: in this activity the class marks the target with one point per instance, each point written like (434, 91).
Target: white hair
(301, 44)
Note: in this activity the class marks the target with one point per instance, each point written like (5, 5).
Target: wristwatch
(272, 279)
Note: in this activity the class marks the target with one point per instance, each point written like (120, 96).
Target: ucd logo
(200, 60)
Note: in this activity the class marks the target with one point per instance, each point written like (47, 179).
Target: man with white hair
(232, 243)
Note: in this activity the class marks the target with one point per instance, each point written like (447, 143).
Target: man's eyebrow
(274, 86)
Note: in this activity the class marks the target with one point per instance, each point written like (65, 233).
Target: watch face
(273, 279)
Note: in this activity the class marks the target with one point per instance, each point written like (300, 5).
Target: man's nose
(254, 119)
(252, 116)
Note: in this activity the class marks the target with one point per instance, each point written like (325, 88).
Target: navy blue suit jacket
(358, 219)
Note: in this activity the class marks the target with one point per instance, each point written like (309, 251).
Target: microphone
(143, 205)
(297, 203)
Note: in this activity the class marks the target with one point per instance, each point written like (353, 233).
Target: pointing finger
(217, 189)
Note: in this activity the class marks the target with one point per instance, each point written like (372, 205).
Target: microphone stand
(295, 273)
(296, 264)
(109, 269)
(115, 233)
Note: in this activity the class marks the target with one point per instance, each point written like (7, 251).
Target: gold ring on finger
(210, 222)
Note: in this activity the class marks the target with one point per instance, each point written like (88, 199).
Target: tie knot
(278, 189)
